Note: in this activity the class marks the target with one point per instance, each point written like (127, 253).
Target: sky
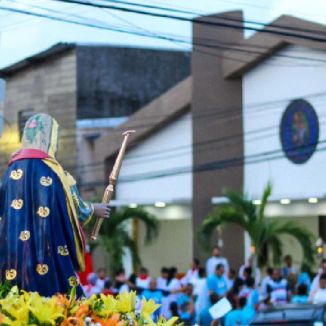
(22, 36)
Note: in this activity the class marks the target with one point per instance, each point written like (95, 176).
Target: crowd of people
(191, 295)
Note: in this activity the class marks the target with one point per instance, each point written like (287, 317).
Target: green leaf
(114, 235)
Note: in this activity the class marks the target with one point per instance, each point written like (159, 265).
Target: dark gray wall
(117, 81)
(214, 95)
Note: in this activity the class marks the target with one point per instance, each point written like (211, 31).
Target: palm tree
(115, 238)
(265, 233)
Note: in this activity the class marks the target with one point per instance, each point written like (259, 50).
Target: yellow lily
(110, 305)
(163, 322)
(126, 302)
(4, 320)
(16, 306)
(45, 310)
(148, 308)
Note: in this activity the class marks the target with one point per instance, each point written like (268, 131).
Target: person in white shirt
(230, 279)
(289, 268)
(265, 281)
(315, 282)
(162, 280)
(101, 278)
(174, 288)
(278, 288)
(319, 296)
(143, 279)
(215, 260)
(91, 288)
(199, 282)
(192, 274)
(255, 270)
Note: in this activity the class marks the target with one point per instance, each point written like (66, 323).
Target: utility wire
(219, 46)
(210, 166)
(214, 23)
(242, 21)
(157, 35)
(198, 147)
(225, 116)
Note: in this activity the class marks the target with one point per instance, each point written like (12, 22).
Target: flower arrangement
(29, 308)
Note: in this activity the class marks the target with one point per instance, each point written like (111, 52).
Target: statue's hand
(102, 210)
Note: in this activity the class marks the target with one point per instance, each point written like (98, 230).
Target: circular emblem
(299, 131)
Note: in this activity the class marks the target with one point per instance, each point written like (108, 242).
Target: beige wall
(173, 247)
(48, 87)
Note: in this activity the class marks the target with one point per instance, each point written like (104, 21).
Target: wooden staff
(108, 193)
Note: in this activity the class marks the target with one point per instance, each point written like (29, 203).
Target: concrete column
(217, 127)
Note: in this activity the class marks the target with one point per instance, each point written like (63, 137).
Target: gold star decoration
(17, 203)
(11, 274)
(43, 211)
(46, 181)
(42, 269)
(24, 235)
(16, 174)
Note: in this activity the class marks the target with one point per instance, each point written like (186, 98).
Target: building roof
(61, 48)
(263, 44)
(36, 58)
(148, 120)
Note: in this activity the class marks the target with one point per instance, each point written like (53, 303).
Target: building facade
(89, 89)
(249, 112)
(256, 109)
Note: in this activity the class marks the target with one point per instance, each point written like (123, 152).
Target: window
(23, 116)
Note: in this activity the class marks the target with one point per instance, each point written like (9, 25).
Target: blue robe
(40, 243)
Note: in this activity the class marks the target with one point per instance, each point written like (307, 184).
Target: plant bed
(22, 308)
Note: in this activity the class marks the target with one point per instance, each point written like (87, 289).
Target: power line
(166, 153)
(203, 22)
(129, 23)
(170, 9)
(173, 10)
(259, 157)
(180, 11)
(210, 166)
(223, 116)
(161, 37)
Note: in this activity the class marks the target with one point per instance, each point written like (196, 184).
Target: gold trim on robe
(56, 167)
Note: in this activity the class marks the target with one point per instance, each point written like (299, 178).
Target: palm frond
(132, 246)
(110, 225)
(265, 233)
(241, 204)
(267, 193)
(115, 236)
(303, 236)
(121, 216)
(276, 246)
(151, 223)
(219, 217)
(115, 247)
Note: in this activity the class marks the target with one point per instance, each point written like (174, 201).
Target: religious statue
(41, 216)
